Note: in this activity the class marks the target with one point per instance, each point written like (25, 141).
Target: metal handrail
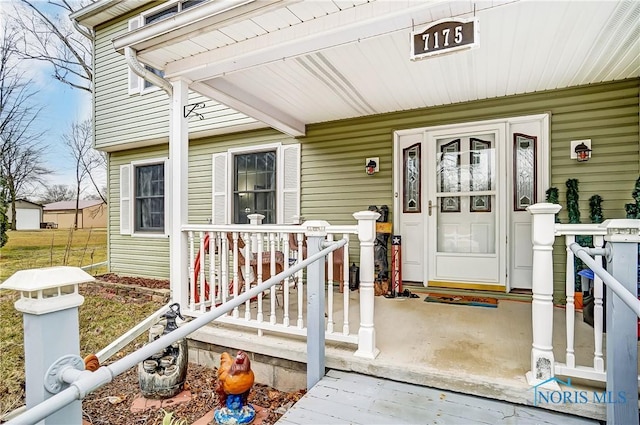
(627, 297)
(84, 382)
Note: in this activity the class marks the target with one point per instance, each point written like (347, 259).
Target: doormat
(462, 300)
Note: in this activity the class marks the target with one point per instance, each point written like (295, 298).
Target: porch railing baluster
(570, 307)
(260, 242)
(201, 280)
(248, 273)
(330, 288)
(347, 286)
(598, 311)
(236, 273)
(192, 283)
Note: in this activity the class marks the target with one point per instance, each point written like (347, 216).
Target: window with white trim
(149, 198)
(254, 186)
(167, 10)
(262, 179)
(143, 200)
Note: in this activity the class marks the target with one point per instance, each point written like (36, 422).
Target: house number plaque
(444, 37)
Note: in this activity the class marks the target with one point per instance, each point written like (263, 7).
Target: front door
(461, 198)
(465, 206)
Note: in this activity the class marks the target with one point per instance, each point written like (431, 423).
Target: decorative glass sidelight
(411, 196)
(480, 170)
(524, 163)
(449, 171)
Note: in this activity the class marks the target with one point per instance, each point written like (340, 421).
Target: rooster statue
(235, 380)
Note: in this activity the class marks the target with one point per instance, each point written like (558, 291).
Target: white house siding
(142, 119)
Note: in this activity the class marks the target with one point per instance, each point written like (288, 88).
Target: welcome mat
(462, 300)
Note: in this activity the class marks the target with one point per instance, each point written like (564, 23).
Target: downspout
(81, 30)
(141, 71)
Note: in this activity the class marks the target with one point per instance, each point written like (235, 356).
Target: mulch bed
(132, 280)
(111, 404)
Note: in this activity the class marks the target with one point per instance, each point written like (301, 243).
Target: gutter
(141, 71)
(195, 19)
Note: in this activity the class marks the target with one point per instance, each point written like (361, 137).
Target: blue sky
(61, 105)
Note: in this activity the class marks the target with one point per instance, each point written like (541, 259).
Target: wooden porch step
(352, 398)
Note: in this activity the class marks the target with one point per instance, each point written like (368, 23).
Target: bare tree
(21, 152)
(50, 36)
(78, 141)
(57, 193)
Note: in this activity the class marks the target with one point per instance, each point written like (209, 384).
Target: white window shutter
(167, 197)
(219, 206)
(135, 82)
(290, 178)
(125, 199)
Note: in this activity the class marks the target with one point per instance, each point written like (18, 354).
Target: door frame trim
(544, 175)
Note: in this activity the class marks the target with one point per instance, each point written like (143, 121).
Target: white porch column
(367, 333)
(542, 235)
(179, 206)
(623, 236)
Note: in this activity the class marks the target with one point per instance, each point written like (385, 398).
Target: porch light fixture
(583, 153)
(580, 150)
(371, 166)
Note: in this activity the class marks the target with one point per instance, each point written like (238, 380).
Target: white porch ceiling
(294, 63)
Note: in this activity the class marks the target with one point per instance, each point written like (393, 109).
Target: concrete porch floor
(466, 349)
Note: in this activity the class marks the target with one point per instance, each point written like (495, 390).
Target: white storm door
(466, 206)
(411, 206)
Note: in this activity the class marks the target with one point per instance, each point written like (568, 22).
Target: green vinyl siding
(200, 166)
(123, 120)
(134, 255)
(334, 184)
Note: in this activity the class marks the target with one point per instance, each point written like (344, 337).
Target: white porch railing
(49, 301)
(225, 261)
(596, 371)
(623, 306)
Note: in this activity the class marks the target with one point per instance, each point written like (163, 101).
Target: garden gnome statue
(235, 380)
(163, 374)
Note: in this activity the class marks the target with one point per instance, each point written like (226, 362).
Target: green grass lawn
(101, 320)
(30, 249)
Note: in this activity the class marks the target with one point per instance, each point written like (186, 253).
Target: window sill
(152, 235)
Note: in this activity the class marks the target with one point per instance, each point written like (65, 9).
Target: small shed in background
(28, 215)
(91, 214)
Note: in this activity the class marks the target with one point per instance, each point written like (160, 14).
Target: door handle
(430, 207)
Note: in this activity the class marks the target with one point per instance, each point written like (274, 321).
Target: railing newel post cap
(366, 215)
(544, 208)
(47, 289)
(46, 278)
(315, 227)
(622, 230)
